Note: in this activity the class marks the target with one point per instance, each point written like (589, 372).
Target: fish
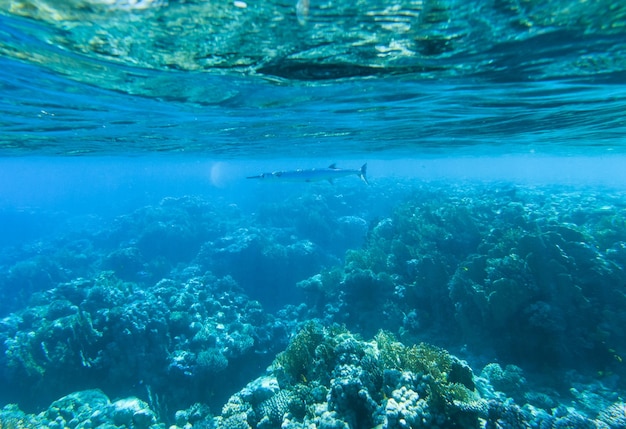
(314, 174)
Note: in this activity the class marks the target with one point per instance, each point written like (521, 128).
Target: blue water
(137, 258)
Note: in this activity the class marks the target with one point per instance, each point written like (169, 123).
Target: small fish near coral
(329, 173)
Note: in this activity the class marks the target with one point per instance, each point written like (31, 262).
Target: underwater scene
(309, 214)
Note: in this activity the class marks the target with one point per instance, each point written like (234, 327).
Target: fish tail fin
(363, 173)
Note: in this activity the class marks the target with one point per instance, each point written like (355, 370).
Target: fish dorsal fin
(333, 166)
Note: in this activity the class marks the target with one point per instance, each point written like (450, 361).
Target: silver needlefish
(313, 174)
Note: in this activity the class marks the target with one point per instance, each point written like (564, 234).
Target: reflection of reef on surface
(132, 42)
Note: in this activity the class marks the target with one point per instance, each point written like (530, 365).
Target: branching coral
(445, 382)
(338, 378)
(309, 353)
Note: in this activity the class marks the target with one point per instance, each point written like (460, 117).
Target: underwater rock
(132, 412)
(384, 229)
(197, 413)
(127, 263)
(353, 230)
(28, 276)
(124, 409)
(76, 408)
(175, 229)
(509, 380)
(143, 419)
(562, 417)
(502, 415)
(83, 410)
(274, 261)
(141, 246)
(260, 389)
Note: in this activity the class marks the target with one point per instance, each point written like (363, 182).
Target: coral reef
(158, 308)
(509, 380)
(84, 409)
(532, 274)
(265, 253)
(327, 377)
(148, 244)
(182, 335)
(330, 378)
